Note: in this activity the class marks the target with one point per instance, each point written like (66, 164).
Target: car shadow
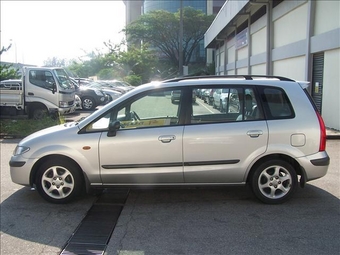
(25, 215)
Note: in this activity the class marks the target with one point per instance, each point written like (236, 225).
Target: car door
(147, 149)
(218, 147)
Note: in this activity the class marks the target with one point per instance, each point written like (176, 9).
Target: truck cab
(41, 90)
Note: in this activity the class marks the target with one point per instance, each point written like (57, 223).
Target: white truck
(41, 90)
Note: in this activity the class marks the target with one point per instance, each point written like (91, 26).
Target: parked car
(205, 95)
(115, 85)
(176, 95)
(220, 99)
(91, 98)
(83, 81)
(111, 92)
(271, 136)
(120, 84)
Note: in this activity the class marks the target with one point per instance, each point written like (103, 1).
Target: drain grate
(94, 232)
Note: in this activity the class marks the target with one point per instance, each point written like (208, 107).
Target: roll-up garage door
(317, 82)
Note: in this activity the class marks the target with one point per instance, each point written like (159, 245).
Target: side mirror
(113, 127)
(54, 88)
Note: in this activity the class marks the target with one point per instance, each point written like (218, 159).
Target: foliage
(160, 29)
(137, 61)
(6, 70)
(134, 80)
(136, 66)
(25, 127)
(93, 63)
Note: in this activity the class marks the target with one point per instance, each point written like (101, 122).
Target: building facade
(299, 39)
(135, 8)
(139, 7)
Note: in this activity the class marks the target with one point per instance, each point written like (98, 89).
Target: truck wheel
(38, 113)
(88, 103)
(274, 181)
(59, 181)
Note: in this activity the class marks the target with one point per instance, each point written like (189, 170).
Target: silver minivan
(269, 135)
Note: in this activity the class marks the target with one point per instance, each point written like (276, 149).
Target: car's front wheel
(38, 112)
(88, 103)
(274, 181)
(59, 181)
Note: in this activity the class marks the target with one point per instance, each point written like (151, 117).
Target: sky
(39, 30)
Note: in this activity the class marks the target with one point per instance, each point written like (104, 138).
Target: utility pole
(15, 49)
(180, 55)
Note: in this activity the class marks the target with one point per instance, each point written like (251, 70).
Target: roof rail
(246, 77)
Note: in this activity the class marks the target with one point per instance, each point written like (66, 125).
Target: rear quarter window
(277, 104)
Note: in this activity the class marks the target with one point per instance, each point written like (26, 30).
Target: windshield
(63, 79)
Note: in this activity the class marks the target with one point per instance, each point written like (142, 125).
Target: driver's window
(154, 109)
(41, 78)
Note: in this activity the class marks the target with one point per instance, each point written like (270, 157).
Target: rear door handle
(166, 138)
(254, 133)
(30, 94)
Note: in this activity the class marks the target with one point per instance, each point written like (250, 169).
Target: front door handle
(166, 138)
(30, 94)
(254, 133)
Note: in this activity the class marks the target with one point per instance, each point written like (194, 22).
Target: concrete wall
(331, 89)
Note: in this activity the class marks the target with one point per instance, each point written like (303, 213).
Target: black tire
(88, 104)
(59, 181)
(38, 113)
(274, 181)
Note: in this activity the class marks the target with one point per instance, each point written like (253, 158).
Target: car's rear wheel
(59, 181)
(274, 181)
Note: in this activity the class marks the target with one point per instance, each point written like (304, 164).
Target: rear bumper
(315, 166)
(321, 161)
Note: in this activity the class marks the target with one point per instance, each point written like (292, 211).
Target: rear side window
(224, 104)
(277, 104)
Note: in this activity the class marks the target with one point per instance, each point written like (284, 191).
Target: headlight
(99, 93)
(63, 104)
(20, 150)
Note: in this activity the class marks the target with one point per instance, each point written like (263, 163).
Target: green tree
(6, 70)
(160, 29)
(94, 63)
(136, 66)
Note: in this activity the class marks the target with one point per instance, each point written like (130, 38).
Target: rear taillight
(322, 145)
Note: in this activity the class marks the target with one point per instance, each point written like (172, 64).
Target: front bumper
(68, 110)
(20, 170)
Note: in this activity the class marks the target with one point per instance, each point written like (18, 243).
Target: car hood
(48, 132)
